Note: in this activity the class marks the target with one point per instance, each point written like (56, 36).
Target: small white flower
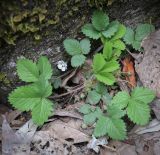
(62, 65)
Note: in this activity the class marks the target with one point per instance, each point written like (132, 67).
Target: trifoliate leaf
(91, 117)
(90, 31)
(143, 30)
(107, 50)
(100, 20)
(111, 29)
(77, 60)
(143, 95)
(98, 62)
(85, 109)
(106, 78)
(121, 99)
(101, 127)
(45, 67)
(72, 46)
(129, 36)
(120, 32)
(116, 128)
(115, 112)
(93, 97)
(118, 44)
(24, 98)
(85, 46)
(42, 111)
(27, 70)
(138, 112)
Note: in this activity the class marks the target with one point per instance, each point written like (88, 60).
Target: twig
(67, 93)
(98, 49)
(68, 78)
(109, 148)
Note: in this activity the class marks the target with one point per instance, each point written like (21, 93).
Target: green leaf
(77, 60)
(43, 86)
(110, 66)
(100, 20)
(129, 36)
(101, 127)
(57, 83)
(116, 128)
(42, 111)
(111, 29)
(106, 78)
(136, 45)
(118, 44)
(85, 46)
(85, 109)
(45, 67)
(121, 99)
(27, 70)
(107, 50)
(24, 98)
(143, 95)
(98, 62)
(101, 88)
(143, 30)
(138, 112)
(91, 117)
(72, 46)
(120, 33)
(93, 97)
(90, 31)
(115, 112)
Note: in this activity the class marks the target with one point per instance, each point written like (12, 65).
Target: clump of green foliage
(109, 120)
(34, 96)
(135, 37)
(100, 108)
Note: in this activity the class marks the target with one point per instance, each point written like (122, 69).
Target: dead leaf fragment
(68, 131)
(148, 69)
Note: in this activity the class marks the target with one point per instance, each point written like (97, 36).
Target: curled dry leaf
(128, 68)
(148, 69)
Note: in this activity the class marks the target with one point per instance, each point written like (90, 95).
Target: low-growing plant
(34, 96)
(77, 50)
(135, 37)
(109, 120)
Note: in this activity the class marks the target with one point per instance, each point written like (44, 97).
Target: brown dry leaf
(121, 149)
(17, 143)
(128, 67)
(68, 131)
(64, 113)
(149, 68)
(46, 142)
(147, 144)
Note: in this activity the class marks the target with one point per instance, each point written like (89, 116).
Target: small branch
(67, 93)
(68, 78)
(109, 148)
